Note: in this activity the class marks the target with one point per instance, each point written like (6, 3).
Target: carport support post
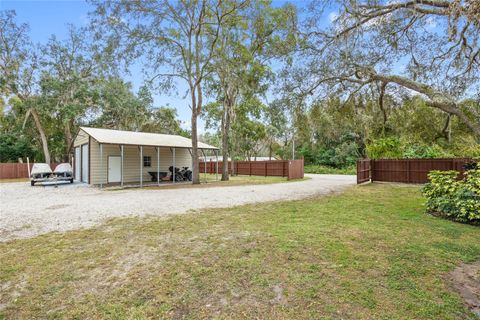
(121, 171)
(158, 165)
(173, 169)
(101, 164)
(141, 166)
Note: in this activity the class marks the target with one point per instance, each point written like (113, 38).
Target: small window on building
(147, 161)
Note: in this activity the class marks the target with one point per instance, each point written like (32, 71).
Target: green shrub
(386, 148)
(456, 199)
(319, 169)
(340, 155)
(395, 148)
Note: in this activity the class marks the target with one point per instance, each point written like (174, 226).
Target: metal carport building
(105, 156)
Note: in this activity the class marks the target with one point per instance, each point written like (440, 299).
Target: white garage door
(85, 163)
(114, 169)
(78, 163)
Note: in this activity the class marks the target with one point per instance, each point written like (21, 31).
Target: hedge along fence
(17, 170)
(292, 169)
(406, 170)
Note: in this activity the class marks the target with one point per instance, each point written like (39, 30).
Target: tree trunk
(195, 164)
(196, 94)
(225, 132)
(43, 136)
(68, 141)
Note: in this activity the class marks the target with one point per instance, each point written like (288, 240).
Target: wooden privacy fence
(17, 170)
(405, 170)
(292, 169)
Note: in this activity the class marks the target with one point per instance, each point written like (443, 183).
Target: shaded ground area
(28, 211)
(367, 253)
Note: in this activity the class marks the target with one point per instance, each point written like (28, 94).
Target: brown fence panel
(14, 170)
(389, 170)
(211, 167)
(271, 168)
(17, 170)
(295, 169)
(406, 170)
(363, 171)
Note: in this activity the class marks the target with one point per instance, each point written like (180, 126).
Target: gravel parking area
(29, 211)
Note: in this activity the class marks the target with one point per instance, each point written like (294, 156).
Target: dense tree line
(331, 81)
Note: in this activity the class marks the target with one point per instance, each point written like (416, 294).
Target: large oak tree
(425, 47)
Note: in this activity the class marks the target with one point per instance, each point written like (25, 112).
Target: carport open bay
(27, 212)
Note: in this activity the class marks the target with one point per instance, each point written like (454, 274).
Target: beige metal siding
(131, 164)
(81, 138)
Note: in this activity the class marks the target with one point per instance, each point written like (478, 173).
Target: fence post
(250, 168)
(408, 171)
(372, 170)
(265, 168)
(358, 171)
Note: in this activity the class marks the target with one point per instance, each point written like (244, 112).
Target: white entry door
(114, 169)
(85, 163)
(78, 163)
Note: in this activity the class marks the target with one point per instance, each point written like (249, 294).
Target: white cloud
(332, 16)
(431, 23)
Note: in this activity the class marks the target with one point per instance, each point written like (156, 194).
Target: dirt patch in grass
(466, 280)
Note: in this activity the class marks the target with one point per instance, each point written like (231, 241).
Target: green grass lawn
(369, 253)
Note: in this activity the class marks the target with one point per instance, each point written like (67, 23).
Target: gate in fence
(363, 171)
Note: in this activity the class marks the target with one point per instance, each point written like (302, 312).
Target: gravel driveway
(26, 211)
